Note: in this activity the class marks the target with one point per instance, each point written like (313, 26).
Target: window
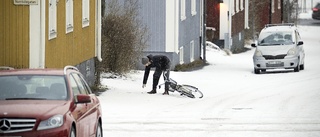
(85, 13)
(237, 6)
(279, 4)
(183, 9)
(52, 19)
(181, 55)
(232, 7)
(246, 15)
(193, 7)
(74, 86)
(82, 88)
(241, 5)
(191, 51)
(69, 16)
(272, 6)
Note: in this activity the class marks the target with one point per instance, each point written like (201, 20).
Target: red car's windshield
(32, 87)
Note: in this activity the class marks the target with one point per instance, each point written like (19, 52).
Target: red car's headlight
(53, 122)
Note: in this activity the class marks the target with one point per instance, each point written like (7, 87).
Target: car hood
(275, 50)
(32, 109)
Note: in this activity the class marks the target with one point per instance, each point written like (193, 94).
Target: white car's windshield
(275, 38)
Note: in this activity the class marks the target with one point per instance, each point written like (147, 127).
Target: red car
(47, 103)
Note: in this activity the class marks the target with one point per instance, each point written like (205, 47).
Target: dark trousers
(156, 77)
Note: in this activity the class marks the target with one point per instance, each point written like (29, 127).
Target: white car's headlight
(292, 51)
(53, 122)
(258, 53)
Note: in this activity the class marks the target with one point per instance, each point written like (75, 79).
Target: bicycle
(184, 90)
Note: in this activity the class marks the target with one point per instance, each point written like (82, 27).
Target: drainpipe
(204, 29)
(98, 30)
(42, 34)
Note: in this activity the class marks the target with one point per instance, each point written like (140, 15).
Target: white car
(279, 47)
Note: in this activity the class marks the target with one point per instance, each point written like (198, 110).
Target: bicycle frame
(186, 90)
(172, 84)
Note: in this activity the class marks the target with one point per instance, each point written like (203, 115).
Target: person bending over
(162, 65)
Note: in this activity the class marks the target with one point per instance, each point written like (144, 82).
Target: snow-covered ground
(236, 103)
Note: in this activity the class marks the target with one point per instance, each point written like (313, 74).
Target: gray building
(175, 28)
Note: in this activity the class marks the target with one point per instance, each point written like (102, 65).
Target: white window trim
(52, 19)
(69, 16)
(183, 9)
(193, 7)
(181, 55)
(85, 13)
(279, 4)
(192, 51)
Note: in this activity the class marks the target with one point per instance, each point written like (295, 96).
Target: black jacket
(160, 62)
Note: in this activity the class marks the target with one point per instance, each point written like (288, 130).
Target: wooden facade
(71, 48)
(75, 47)
(14, 35)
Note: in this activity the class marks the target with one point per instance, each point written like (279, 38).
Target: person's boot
(152, 92)
(165, 92)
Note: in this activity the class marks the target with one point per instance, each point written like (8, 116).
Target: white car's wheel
(297, 69)
(302, 67)
(256, 71)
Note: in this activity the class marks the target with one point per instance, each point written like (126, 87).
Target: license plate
(274, 62)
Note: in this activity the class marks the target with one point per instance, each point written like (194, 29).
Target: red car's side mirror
(81, 98)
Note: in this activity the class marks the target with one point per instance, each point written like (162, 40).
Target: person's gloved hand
(144, 85)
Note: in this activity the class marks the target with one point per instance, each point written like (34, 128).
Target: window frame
(85, 13)
(193, 7)
(192, 51)
(52, 23)
(181, 60)
(69, 16)
(183, 10)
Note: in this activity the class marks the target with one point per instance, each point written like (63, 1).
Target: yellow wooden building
(50, 33)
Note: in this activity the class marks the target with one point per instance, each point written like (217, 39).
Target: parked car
(47, 103)
(316, 12)
(279, 46)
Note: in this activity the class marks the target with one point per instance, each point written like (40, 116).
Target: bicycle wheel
(190, 91)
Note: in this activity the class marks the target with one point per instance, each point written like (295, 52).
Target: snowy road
(236, 103)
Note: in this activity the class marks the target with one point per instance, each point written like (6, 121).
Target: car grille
(269, 57)
(12, 125)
